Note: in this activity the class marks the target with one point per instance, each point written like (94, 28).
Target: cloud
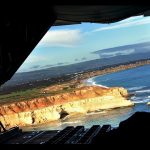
(60, 64)
(33, 62)
(124, 24)
(84, 58)
(54, 65)
(35, 67)
(115, 53)
(35, 59)
(61, 38)
(76, 59)
(47, 66)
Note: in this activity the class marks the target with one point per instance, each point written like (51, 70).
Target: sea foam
(140, 100)
(143, 91)
(136, 88)
(71, 122)
(92, 82)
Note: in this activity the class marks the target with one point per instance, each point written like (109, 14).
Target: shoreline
(85, 103)
(85, 76)
(91, 82)
(88, 81)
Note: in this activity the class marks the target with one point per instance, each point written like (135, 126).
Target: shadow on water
(111, 116)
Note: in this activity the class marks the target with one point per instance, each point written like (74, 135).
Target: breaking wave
(71, 122)
(141, 101)
(136, 88)
(92, 82)
(137, 100)
(143, 91)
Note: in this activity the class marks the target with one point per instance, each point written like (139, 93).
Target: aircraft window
(82, 74)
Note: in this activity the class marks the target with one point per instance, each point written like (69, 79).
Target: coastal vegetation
(67, 83)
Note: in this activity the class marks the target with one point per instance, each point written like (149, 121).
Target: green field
(29, 94)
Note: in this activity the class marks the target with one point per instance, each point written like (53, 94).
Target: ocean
(135, 80)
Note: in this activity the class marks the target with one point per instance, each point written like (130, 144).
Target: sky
(69, 44)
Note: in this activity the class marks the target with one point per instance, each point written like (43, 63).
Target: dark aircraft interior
(19, 36)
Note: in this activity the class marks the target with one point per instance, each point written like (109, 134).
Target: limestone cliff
(50, 108)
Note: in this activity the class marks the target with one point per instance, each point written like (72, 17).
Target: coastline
(85, 104)
(86, 77)
(91, 82)
(83, 100)
(88, 80)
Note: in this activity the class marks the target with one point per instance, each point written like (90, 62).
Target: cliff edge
(50, 108)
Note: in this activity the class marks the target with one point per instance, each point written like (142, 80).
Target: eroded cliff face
(50, 108)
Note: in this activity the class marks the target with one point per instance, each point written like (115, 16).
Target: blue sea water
(136, 81)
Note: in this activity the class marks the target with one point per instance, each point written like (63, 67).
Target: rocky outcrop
(50, 108)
